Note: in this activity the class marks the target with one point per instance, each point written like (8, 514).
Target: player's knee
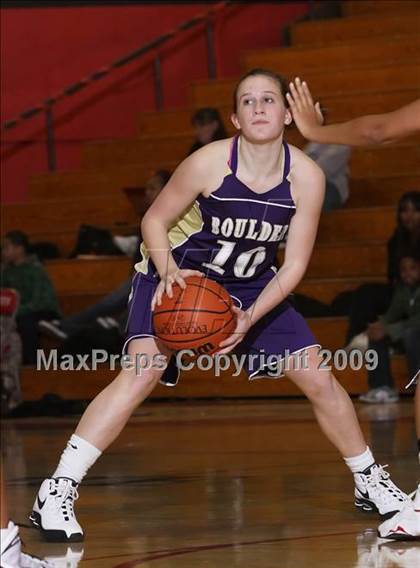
(138, 385)
(321, 386)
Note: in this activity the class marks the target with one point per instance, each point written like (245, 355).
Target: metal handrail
(47, 105)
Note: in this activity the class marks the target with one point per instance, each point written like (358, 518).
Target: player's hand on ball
(306, 114)
(243, 323)
(166, 283)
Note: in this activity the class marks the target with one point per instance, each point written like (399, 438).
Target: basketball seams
(210, 290)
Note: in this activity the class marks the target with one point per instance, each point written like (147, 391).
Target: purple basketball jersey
(233, 235)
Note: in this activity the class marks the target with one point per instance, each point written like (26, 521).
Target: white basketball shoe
(53, 511)
(11, 555)
(375, 491)
(404, 525)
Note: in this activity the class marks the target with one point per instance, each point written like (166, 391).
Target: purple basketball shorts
(278, 334)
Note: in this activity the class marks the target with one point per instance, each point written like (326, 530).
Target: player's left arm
(308, 184)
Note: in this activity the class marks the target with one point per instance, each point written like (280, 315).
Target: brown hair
(279, 79)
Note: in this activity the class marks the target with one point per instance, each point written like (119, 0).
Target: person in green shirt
(27, 276)
(400, 325)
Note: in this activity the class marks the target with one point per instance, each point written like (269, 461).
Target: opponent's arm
(308, 193)
(375, 129)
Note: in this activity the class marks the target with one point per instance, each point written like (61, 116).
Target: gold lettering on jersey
(246, 228)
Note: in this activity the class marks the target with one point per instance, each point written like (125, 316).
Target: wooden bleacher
(366, 62)
(173, 148)
(364, 52)
(349, 29)
(87, 384)
(366, 7)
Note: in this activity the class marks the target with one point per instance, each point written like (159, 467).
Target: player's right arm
(375, 129)
(190, 179)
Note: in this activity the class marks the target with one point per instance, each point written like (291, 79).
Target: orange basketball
(197, 318)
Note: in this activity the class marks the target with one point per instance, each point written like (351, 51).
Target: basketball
(197, 318)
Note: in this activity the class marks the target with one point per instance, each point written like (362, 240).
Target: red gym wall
(46, 49)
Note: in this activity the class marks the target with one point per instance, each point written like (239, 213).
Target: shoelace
(70, 493)
(378, 475)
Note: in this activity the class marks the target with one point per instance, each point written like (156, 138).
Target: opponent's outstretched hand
(307, 115)
(243, 323)
(166, 283)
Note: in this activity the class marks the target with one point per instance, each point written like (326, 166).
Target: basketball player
(224, 212)
(378, 129)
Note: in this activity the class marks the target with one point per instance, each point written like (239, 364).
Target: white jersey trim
(252, 201)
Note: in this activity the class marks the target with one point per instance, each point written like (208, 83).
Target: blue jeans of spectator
(27, 326)
(381, 376)
(368, 302)
(411, 342)
(111, 304)
(332, 199)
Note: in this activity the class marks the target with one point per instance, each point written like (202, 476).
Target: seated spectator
(10, 352)
(333, 159)
(400, 326)
(114, 303)
(370, 300)
(208, 126)
(38, 301)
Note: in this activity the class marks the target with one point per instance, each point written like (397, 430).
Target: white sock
(357, 464)
(76, 459)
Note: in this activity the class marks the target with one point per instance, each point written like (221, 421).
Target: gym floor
(218, 485)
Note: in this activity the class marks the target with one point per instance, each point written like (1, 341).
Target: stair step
(385, 160)
(365, 162)
(102, 274)
(340, 107)
(74, 385)
(321, 289)
(348, 260)
(107, 180)
(379, 7)
(86, 276)
(55, 216)
(327, 289)
(358, 226)
(379, 191)
(364, 191)
(348, 29)
(299, 60)
(382, 79)
(361, 225)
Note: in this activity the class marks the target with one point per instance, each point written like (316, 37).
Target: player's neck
(262, 159)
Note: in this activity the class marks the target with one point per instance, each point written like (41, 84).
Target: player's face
(410, 217)
(261, 111)
(410, 271)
